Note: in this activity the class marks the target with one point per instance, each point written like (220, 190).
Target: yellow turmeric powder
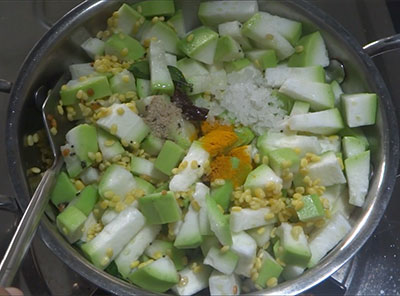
(232, 165)
(218, 141)
(222, 168)
(207, 127)
(243, 153)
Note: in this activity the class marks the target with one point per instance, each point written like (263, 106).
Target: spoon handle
(28, 225)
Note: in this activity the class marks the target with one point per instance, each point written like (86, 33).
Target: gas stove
(374, 270)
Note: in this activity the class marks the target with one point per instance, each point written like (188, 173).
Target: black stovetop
(375, 270)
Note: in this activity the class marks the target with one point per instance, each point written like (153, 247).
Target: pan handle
(383, 45)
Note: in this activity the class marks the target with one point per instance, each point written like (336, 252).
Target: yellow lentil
(225, 249)
(299, 48)
(261, 230)
(134, 264)
(121, 111)
(269, 37)
(194, 165)
(190, 38)
(79, 185)
(236, 209)
(272, 282)
(114, 129)
(35, 170)
(183, 281)
(53, 131)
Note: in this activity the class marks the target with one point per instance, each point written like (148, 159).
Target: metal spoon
(33, 214)
(335, 71)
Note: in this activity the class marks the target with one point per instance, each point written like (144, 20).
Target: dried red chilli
(189, 111)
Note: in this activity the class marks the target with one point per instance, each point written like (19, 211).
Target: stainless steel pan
(60, 47)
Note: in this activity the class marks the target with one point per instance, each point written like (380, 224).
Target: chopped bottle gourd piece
(64, 190)
(157, 276)
(312, 208)
(151, 8)
(169, 157)
(70, 223)
(313, 52)
(212, 13)
(160, 208)
(124, 47)
(96, 87)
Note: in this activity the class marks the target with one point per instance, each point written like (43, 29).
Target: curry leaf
(140, 70)
(179, 80)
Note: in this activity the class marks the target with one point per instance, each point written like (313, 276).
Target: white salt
(250, 102)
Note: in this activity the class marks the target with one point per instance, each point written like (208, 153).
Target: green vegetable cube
(151, 8)
(83, 139)
(354, 132)
(224, 262)
(236, 65)
(87, 199)
(127, 20)
(263, 59)
(123, 82)
(96, 87)
(160, 208)
(219, 222)
(284, 158)
(177, 23)
(141, 166)
(360, 109)
(126, 125)
(189, 235)
(353, 146)
(183, 135)
(162, 247)
(300, 108)
(200, 45)
(143, 88)
(70, 223)
(163, 32)
(124, 47)
(158, 276)
(64, 190)
(170, 156)
(147, 187)
(293, 249)
(190, 67)
(245, 136)
(104, 140)
(227, 50)
(269, 269)
(312, 208)
(212, 13)
(313, 52)
(286, 101)
(260, 177)
(222, 194)
(161, 81)
(152, 145)
(357, 171)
